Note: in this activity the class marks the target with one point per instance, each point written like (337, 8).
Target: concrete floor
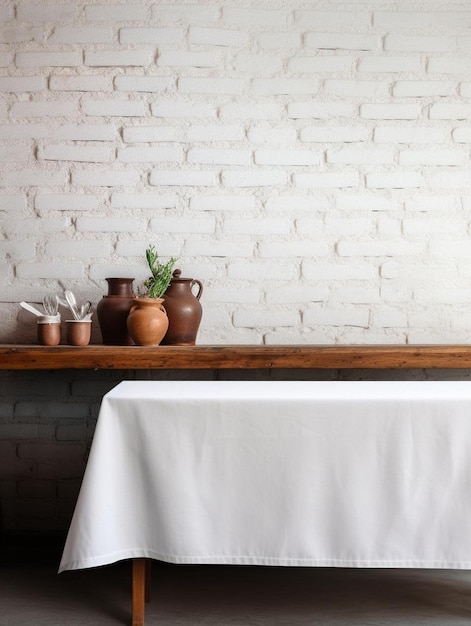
(33, 594)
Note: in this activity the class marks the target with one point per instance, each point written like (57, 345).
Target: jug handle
(195, 281)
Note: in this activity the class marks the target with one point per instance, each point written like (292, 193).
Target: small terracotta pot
(147, 321)
(49, 330)
(78, 332)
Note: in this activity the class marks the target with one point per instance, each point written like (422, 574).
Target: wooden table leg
(138, 591)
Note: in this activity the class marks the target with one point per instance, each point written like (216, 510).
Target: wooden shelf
(34, 357)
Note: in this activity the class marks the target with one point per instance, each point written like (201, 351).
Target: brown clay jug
(147, 321)
(112, 312)
(184, 310)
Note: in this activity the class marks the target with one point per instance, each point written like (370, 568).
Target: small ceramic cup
(78, 332)
(49, 330)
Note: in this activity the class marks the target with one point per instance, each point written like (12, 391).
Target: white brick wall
(301, 146)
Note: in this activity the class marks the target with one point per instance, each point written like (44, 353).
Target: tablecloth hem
(100, 561)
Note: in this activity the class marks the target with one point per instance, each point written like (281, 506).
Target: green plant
(161, 273)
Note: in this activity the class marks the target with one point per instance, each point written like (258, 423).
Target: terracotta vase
(113, 310)
(184, 310)
(147, 321)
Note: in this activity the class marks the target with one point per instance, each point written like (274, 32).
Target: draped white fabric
(332, 473)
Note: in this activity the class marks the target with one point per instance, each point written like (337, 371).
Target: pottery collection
(113, 310)
(147, 321)
(184, 310)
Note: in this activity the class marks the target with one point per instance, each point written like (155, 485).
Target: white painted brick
(46, 12)
(355, 295)
(108, 224)
(218, 37)
(462, 135)
(392, 111)
(359, 156)
(85, 35)
(456, 179)
(157, 36)
(378, 248)
(257, 226)
(390, 64)
(118, 58)
(429, 202)
(389, 227)
(336, 317)
(152, 84)
(410, 135)
(432, 157)
(80, 83)
(364, 202)
(249, 295)
(6, 13)
(54, 108)
(293, 249)
(145, 134)
(356, 88)
(183, 177)
(51, 59)
(13, 225)
(253, 178)
(35, 177)
(65, 202)
(421, 19)
(450, 111)
(416, 88)
(316, 65)
(297, 294)
(143, 200)
(64, 152)
(344, 226)
(443, 295)
(321, 20)
(5, 59)
(450, 248)
(23, 131)
(265, 318)
(195, 12)
(274, 136)
(223, 249)
(321, 110)
(339, 134)
(22, 83)
(327, 179)
(83, 132)
(394, 180)
(20, 154)
(338, 271)
(449, 65)
(130, 12)
(419, 43)
(219, 156)
(426, 225)
(255, 111)
(143, 154)
(82, 249)
(211, 85)
(105, 178)
(182, 225)
(287, 157)
(253, 16)
(276, 40)
(180, 58)
(17, 251)
(213, 132)
(59, 271)
(16, 34)
(12, 202)
(284, 86)
(389, 319)
(465, 90)
(222, 203)
(262, 270)
(182, 109)
(137, 248)
(342, 41)
(114, 108)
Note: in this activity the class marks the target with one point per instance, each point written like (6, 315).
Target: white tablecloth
(368, 474)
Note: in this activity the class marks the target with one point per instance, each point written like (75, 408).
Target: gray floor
(33, 594)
